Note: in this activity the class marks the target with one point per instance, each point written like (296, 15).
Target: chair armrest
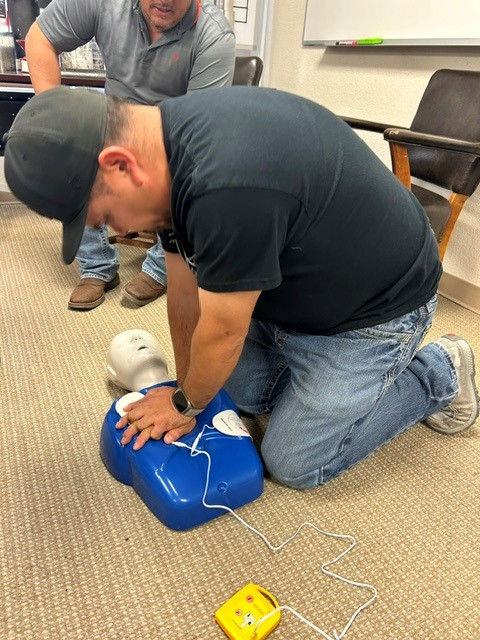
(366, 125)
(406, 136)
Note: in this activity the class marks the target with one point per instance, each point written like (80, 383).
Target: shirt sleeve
(235, 238)
(68, 24)
(214, 64)
(167, 238)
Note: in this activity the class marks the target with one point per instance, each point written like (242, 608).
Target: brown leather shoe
(143, 289)
(90, 292)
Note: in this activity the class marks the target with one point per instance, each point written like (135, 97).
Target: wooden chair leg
(457, 200)
(400, 163)
(127, 236)
(401, 168)
(151, 236)
(143, 239)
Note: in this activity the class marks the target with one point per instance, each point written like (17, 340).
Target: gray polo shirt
(198, 52)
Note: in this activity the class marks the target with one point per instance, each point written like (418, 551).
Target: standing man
(303, 273)
(152, 49)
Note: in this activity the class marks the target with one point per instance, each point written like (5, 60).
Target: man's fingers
(146, 426)
(130, 416)
(174, 434)
(144, 434)
(144, 422)
(129, 432)
(157, 432)
(142, 438)
(122, 422)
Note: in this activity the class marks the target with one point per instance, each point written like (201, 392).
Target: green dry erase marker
(370, 41)
(354, 43)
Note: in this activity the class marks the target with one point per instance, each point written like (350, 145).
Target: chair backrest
(450, 107)
(248, 70)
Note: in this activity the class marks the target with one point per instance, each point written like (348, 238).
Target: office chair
(247, 71)
(441, 147)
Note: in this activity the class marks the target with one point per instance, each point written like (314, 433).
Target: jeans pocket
(399, 329)
(404, 327)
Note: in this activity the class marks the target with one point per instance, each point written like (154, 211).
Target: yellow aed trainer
(239, 615)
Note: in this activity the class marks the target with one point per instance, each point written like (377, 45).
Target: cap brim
(72, 235)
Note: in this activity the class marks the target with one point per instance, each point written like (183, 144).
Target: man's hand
(154, 416)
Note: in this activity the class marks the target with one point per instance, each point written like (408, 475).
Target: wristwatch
(183, 405)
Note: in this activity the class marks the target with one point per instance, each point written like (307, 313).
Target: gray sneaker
(462, 412)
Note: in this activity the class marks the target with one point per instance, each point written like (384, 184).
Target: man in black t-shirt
(302, 274)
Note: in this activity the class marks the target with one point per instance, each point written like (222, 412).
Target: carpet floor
(82, 558)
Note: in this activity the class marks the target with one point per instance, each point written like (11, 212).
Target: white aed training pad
(127, 399)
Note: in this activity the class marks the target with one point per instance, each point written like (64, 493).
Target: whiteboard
(395, 22)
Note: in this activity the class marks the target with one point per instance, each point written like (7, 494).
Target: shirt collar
(190, 18)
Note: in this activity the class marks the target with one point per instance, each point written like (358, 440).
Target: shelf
(78, 79)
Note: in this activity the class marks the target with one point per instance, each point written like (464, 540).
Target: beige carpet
(83, 558)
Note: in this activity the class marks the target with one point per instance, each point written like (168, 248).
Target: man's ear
(119, 162)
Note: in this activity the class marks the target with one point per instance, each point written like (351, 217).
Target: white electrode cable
(194, 452)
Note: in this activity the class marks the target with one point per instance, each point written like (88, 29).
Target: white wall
(383, 84)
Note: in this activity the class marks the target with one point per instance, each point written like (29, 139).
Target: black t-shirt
(273, 192)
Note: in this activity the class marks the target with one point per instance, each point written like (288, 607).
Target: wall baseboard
(460, 291)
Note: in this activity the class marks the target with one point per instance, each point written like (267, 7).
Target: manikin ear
(119, 163)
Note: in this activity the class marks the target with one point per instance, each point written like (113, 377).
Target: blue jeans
(335, 399)
(98, 258)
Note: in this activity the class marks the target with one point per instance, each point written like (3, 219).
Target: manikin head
(135, 360)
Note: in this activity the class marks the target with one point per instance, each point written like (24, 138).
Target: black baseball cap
(51, 156)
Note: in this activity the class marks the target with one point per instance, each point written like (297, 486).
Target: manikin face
(135, 360)
(161, 15)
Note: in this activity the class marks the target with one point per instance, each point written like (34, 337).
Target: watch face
(180, 400)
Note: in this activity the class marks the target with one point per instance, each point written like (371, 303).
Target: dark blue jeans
(335, 399)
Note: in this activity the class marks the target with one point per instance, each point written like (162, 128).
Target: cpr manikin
(172, 485)
(135, 360)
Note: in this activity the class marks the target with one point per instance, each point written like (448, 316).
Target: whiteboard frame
(424, 42)
(310, 8)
